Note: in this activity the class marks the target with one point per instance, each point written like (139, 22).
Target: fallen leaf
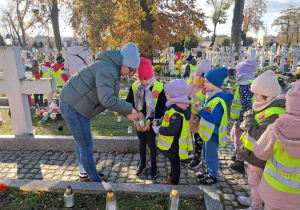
(21, 202)
(59, 199)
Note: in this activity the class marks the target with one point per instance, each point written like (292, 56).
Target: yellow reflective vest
(283, 171)
(206, 128)
(47, 74)
(250, 141)
(177, 67)
(192, 68)
(199, 96)
(185, 140)
(236, 105)
(59, 82)
(156, 90)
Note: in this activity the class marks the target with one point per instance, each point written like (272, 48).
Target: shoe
(233, 158)
(195, 163)
(201, 176)
(84, 177)
(246, 201)
(141, 169)
(208, 180)
(153, 172)
(238, 166)
(168, 181)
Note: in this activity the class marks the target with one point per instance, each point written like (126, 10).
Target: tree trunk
(244, 38)
(214, 36)
(55, 26)
(237, 21)
(147, 25)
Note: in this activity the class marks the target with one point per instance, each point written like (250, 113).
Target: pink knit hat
(203, 67)
(293, 99)
(47, 64)
(145, 70)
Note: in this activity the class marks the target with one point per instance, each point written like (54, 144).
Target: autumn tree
(219, 15)
(191, 43)
(288, 26)
(236, 27)
(225, 41)
(151, 24)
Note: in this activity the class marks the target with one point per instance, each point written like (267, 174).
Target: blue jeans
(211, 157)
(81, 131)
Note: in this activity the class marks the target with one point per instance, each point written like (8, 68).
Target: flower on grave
(53, 115)
(185, 55)
(111, 135)
(161, 55)
(3, 187)
(157, 68)
(290, 59)
(115, 113)
(163, 60)
(45, 114)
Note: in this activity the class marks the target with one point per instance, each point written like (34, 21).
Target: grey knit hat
(176, 88)
(130, 54)
(35, 63)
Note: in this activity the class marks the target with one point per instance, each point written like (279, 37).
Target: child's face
(237, 73)
(258, 98)
(209, 86)
(168, 96)
(145, 82)
(198, 77)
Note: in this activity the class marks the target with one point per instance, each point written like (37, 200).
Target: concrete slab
(211, 198)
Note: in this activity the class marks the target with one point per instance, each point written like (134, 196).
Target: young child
(37, 73)
(280, 146)
(148, 97)
(266, 109)
(190, 67)
(241, 103)
(59, 73)
(213, 123)
(48, 73)
(197, 93)
(175, 140)
(177, 65)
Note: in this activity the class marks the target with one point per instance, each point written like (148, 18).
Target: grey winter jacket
(255, 131)
(95, 87)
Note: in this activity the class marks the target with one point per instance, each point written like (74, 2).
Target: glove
(156, 129)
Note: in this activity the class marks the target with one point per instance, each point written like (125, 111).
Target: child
(280, 147)
(59, 73)
(175, 139)
(266, 109)
(177, 65)
(190, 67)
(148, 97)
(213, 123)
(241, 103)
(197, 93)
(48, 73)
(36, 73)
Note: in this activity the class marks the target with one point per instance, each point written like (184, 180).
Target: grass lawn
(105, 124)
(15, 199)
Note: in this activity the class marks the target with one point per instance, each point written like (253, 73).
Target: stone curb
(211, 198)
(66, 143)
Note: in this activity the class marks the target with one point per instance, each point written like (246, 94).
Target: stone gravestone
(16, 87)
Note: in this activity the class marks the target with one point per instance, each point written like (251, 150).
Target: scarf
(258, 106)
(143, 95)
(242, 77)
(179, 101)
(211, 94)
(193, 88)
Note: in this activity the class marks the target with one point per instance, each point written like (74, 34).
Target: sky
(274, 7)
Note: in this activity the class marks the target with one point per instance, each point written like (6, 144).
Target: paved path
(119, 168)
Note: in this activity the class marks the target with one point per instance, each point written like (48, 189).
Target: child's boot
(153, 172)
(238, 166)
(168, 181)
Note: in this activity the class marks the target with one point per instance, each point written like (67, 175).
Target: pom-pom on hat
(145, 70)
(176, 88)
(293, 99)
(247, 66)
(203, 67)
(266, 84)
(130, 54)
(217, 76)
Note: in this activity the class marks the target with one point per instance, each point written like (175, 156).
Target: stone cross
(295, 57)
(282, 57)
(16, 87)
(272, 54)
(222, 57)
(263, 57)
(232, 57)
(171, 55)
(241, 54)
(227, 54)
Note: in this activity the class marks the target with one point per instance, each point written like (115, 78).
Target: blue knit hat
(130, 54)
(217, 76)
(189, 58)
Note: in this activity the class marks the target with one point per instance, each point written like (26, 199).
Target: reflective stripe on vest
(206, 128)
(236, 105)
(177, 64)
(58, 79)
(156, 90)
(246, 138)
(47, 74)
(185, 140)
(283, 171)
(199, 96)
(189, 81)
(192, 68)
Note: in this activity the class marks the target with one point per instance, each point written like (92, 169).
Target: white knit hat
(266, 84)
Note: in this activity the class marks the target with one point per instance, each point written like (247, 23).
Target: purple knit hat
(176, 88)
(247, 66)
